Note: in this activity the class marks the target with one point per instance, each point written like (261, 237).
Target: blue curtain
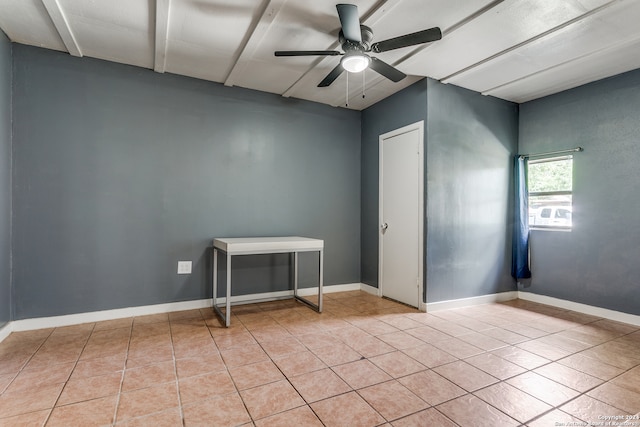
(520, 247)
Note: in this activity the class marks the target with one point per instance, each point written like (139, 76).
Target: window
(550, 183)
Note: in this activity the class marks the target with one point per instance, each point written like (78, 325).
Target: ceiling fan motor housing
(363, 46)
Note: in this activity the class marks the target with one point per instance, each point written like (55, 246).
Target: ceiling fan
(355, 39)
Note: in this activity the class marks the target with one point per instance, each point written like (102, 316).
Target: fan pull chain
(363, 83)
(346, 102)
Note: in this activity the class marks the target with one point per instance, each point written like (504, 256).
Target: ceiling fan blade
(306, 52)
(334, 74)
(424, 36)
(386, 70)
(350, 22)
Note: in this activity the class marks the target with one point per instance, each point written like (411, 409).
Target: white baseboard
(605, 313)
(466, 302)
(330, 289)
(5, 331)
(370, 289)
(98, 316)
(119, 313)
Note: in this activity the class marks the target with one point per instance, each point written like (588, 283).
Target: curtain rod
(550, 153)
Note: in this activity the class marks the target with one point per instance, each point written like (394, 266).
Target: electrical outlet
(184, 267)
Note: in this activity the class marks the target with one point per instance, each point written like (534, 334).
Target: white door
(401, 214)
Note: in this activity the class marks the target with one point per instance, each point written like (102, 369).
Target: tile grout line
(427, 369)
(124, 370)
(353, 390)
(362, 358)
(279, 369)
(24, 364)
(287, 378)
(553, 408)
(175, 366)
(227, 368)
(580, 393)
(70, 373)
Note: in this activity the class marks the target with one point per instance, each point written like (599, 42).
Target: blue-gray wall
(401, 109)
(5, 179)
(120, 172)
(597, 263)
(471, 140)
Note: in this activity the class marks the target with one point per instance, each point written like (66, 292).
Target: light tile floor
(365, 361)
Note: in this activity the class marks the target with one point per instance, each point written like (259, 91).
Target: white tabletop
(264, 245)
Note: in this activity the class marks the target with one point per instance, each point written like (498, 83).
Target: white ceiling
(517, 50)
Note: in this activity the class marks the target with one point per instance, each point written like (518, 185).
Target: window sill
(562, 229)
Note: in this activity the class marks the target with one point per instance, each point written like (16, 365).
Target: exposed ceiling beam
(582, 58)
(451, 29)
(510, 49)
(162, 34)
(62, 26)
(254, 38)
(369, 19)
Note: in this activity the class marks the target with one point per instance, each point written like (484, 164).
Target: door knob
(384, 226)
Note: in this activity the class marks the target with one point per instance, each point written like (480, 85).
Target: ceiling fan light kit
(355, 62)
(355, 39)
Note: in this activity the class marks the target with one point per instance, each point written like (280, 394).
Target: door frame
(419, 126)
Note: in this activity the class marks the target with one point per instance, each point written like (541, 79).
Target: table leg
(215, 276)
(226, 318)
(318, 306)
(321, 262)
(228, 313)
(295, 273)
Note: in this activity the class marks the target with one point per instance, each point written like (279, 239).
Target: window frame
(544, 227)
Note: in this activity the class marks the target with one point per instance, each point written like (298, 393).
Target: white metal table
(264, 245)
